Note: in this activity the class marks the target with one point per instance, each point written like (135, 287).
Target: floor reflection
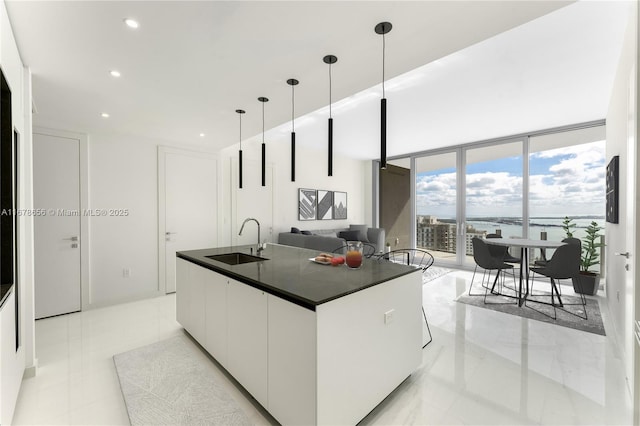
(487, 367)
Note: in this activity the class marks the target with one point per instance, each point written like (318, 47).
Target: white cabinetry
(292, 362)
(215, 295)
(247, 338)
(190, 301)
(182, 291)
(10, 364)
(328, 366)
(229, 319)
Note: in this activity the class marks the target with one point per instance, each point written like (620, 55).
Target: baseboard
(30, 372)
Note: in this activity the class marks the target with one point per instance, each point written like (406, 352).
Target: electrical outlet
(388, 317)
(126, 272)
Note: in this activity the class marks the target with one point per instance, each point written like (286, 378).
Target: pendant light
(264, 147)
(293, 82)
(383, 28)
(240, 112)
(330, 59)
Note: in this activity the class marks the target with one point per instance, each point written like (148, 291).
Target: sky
(568, 181)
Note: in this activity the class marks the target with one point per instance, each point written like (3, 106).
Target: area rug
(434, 272)
(173, 382)
(592, 325)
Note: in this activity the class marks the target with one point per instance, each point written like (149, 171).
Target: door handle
(71, 239)
(625, 254)
(169, 233)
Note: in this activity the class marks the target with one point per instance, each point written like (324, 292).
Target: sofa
(332, 239)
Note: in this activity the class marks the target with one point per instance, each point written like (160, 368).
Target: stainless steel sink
(235, 258)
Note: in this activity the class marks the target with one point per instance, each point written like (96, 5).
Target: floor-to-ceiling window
(437, 226)
(566, 179)
(493, 192)
(518, 187)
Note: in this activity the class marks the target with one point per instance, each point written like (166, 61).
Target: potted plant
(588, 281)
(568, 226)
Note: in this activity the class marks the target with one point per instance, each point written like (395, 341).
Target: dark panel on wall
(6, 186)
(395, 207)
(16, 150)
(613, 189)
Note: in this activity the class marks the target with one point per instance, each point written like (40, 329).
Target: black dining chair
(502, 252)
(418, 258)
(488, 261)
(507, 257)
(544, 261)
(564, 264)
(368, 250)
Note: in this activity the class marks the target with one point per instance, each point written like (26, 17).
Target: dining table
(525, 244)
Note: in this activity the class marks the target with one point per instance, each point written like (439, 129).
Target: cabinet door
(215, 290)
(197, 307)
(190, 303)
(182, 292)
(292, 362)
(247, 338)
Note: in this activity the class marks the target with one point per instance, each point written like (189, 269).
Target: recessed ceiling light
(104, 115)
(131, 23)
(202, 135)
(114, 73)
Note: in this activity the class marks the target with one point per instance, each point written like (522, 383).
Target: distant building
(442, 236)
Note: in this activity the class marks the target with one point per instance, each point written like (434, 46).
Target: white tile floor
(483, 367)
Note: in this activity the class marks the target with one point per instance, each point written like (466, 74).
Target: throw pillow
(295, 230)
(306, 232)
(350, 235)
(362, 229)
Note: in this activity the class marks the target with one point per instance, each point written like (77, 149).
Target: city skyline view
(567, 181)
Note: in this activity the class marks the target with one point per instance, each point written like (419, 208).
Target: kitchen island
(312, 343)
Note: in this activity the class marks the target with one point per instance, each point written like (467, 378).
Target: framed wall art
(307, 203)
(339, 205)
(325, 205)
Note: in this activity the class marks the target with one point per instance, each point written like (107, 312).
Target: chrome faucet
(258, 223)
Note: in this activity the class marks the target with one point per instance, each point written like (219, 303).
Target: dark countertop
(288, 273)
(5, 290)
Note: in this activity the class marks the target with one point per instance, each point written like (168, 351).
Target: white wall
(19, 80)
(123, 175)
(620, 291)
(349, 175)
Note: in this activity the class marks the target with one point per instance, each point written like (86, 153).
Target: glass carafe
(354, 254)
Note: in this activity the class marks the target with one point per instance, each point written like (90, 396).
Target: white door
(632, 345)
(189, 206)
(56, 198)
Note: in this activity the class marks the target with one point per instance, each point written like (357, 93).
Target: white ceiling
(464, 71)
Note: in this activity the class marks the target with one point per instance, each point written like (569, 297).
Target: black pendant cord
(330, 90)
(383, 28)
(293, 82)
(240, 112)
(330, 130)
(383, 114)
(384, 48)
(330, 59)
(264, 152)
(264, 147)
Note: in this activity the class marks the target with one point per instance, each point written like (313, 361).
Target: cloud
(574, 184)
